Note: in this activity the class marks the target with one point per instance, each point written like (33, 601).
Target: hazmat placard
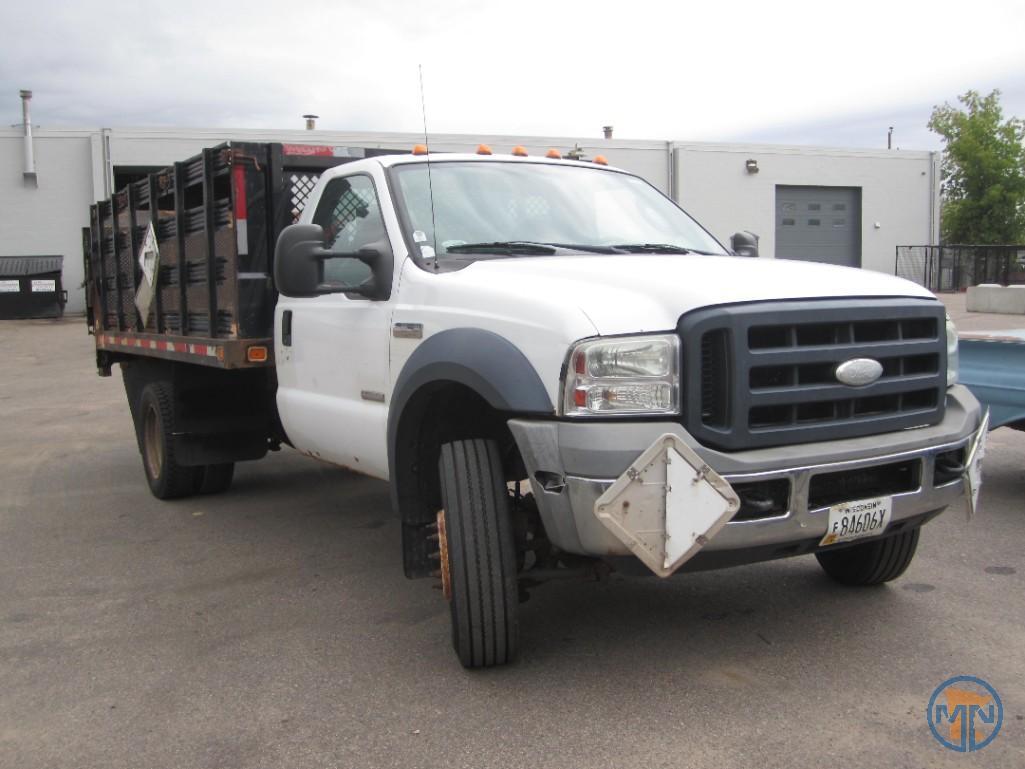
(149, 261)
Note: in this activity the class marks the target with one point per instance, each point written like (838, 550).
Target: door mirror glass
(744, 243)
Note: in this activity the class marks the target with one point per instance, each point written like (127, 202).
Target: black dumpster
(30, 287)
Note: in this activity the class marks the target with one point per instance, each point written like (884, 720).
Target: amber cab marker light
(553, 153)
(520, 152)
(483, 149)
(419, 149)
(256, 354)
(600, 160)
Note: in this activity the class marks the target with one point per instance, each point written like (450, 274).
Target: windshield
(517, 208)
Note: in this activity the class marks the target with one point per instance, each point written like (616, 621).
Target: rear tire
(213, 479)
(481, 556)
(167, 479)
(871, 563)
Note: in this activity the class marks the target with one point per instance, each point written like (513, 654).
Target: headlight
(623, 376)
(952, 361)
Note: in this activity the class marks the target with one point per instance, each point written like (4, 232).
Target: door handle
(286, 328)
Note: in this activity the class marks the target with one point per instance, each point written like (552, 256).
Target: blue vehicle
(992, 365)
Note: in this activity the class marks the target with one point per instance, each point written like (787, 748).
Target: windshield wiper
(655, 248)
(533, 246)
(585, 247)
(536, 248)
(503, 247)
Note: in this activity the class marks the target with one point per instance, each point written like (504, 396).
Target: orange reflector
(256, 354)
(553, 153)
(520, 152)
(483, 149)
(600, 160)
(419, 149)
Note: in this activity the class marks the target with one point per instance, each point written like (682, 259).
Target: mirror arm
(370, 256)
(364, 289)
(365, 255)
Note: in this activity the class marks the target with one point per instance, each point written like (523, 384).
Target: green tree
(983, 171)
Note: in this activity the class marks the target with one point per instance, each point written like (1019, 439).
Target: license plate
(854, 520)
(973, 470)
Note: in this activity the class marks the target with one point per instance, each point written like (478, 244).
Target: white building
(844, 206)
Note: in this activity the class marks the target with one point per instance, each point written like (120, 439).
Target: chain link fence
(955, 268)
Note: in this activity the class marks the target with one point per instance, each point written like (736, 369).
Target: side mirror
(744, 243)
(298, 260)
(299, 265)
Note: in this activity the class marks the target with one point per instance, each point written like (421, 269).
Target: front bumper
(571, 464)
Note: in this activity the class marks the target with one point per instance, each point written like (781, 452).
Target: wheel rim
(152, 443)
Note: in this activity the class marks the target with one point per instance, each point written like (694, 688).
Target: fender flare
(483, 361)
(487, 363)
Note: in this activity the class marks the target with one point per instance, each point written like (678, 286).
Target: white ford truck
(557, 370)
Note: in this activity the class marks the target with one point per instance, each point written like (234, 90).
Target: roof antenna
(430, 184)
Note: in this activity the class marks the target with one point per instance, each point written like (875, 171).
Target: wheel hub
(152, 444)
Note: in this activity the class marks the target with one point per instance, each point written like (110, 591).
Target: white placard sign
(10, 286)
(149, 261)
(44, 286)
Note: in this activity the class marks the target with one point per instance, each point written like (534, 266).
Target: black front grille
(764, 374)
(715, 357)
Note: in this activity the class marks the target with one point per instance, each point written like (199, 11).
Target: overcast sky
(792, 72)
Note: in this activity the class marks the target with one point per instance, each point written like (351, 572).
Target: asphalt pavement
(271, 626)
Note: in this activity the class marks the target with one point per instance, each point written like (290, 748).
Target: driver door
(333, 362)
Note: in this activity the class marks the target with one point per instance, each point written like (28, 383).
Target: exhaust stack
(26, 121)
(311, 122)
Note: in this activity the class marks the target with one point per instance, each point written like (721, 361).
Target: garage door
(819, 224)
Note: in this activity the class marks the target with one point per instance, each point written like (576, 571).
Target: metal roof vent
(26, 122)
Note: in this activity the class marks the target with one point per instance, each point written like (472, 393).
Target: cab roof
(389, 161)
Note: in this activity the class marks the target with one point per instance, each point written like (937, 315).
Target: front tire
(480, 555)
(871, 563)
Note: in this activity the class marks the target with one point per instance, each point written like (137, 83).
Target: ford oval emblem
(859, 372)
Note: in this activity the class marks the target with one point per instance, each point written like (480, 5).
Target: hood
(640, 293)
